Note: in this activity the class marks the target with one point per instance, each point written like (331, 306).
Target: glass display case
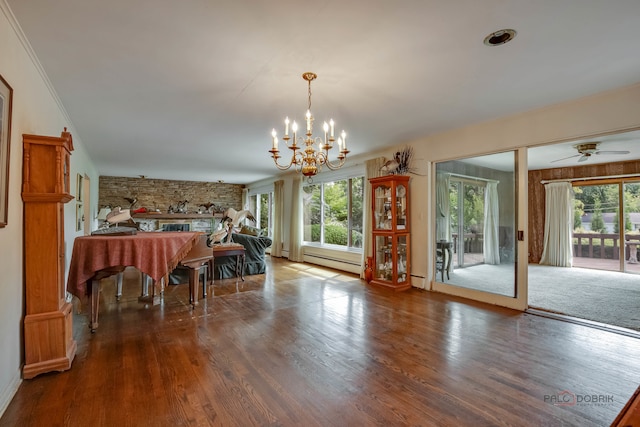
(391, 231)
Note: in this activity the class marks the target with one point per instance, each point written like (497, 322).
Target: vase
(368, 271)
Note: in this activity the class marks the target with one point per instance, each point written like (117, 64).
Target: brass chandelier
(305, 157)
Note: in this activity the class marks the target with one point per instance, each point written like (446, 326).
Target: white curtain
(296, 251)
(245, 199)
(278, 215)
(443, 217)
(558, 225)
(491, 243)
(372, 170)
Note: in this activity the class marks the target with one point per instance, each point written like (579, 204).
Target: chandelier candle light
(305, 157)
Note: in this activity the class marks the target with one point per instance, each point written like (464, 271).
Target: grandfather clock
(48, 334)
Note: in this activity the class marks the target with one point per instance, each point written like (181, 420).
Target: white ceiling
(191, 89)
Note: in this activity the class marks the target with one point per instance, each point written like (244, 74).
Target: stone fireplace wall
(162, 193)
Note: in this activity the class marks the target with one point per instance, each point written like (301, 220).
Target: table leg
(194, 281)
(94, 305)
(241, 272)
(144, 292)
(205, 278)
(147, 297)
(119, 286)
(204, 288)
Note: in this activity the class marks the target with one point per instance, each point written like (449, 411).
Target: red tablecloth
(153, 253)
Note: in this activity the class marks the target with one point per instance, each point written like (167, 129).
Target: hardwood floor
(307, 346)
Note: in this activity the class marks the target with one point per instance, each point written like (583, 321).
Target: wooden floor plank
(303, 345)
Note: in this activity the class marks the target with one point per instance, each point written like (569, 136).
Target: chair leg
(205, 276)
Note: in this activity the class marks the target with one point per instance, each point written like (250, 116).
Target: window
(333, 212)
(261, 205)
(603, 238)
(466, 207)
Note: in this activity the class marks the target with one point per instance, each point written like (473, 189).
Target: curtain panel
(491, 244)
(296, 250)
(443, 214)
(558, 225)
(277, 217)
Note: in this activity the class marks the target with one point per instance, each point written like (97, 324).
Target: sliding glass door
(606, 233)
(467, 220)
(630, 223)
(476, 217)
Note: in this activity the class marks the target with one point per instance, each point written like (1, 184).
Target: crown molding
(11, 18)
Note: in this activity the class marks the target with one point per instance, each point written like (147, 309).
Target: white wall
(36, 110)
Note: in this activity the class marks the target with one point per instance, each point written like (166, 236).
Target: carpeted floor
(602, 296)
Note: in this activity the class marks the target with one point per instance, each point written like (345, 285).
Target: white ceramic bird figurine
(236, 217)
(118, 215)
(389, 166)
(132, 201)
(218, 236)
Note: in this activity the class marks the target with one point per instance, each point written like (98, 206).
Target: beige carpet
(602, 296)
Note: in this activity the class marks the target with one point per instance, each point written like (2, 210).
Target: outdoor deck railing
(585, 245)
(472, 242)
(604, 245)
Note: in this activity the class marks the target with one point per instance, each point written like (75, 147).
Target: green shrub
(334, 234)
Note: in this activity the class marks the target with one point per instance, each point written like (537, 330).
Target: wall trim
(6, 10)
(12, 388)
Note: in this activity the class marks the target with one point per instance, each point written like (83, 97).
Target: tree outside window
(333, 212)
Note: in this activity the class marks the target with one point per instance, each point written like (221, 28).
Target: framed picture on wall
(79, 217)
(6, 96)
(79, 188)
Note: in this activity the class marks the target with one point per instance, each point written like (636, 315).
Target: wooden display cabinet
(48, 334)
(391, 232)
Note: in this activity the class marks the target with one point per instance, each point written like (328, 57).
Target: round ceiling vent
(500, 37)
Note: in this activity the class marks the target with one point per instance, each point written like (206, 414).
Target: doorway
(467, 220)
(476, 226)
(606, 233)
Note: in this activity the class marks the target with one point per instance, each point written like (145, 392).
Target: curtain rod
(587, 178)
(475, 178)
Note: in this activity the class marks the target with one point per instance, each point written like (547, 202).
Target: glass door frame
(520, 300)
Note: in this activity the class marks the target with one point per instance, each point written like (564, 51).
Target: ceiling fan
(587, 150)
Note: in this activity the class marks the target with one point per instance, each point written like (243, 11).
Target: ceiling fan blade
(584, 158)
(565, 158)
(612, 152)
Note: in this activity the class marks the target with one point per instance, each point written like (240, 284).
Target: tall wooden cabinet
(391, 232)
(48, 334)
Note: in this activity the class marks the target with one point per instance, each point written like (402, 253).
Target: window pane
(271, 205)
(336, 218)
(596, 232)
(311, 212)
(264, 212)
(333, 212)
(252, 205)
